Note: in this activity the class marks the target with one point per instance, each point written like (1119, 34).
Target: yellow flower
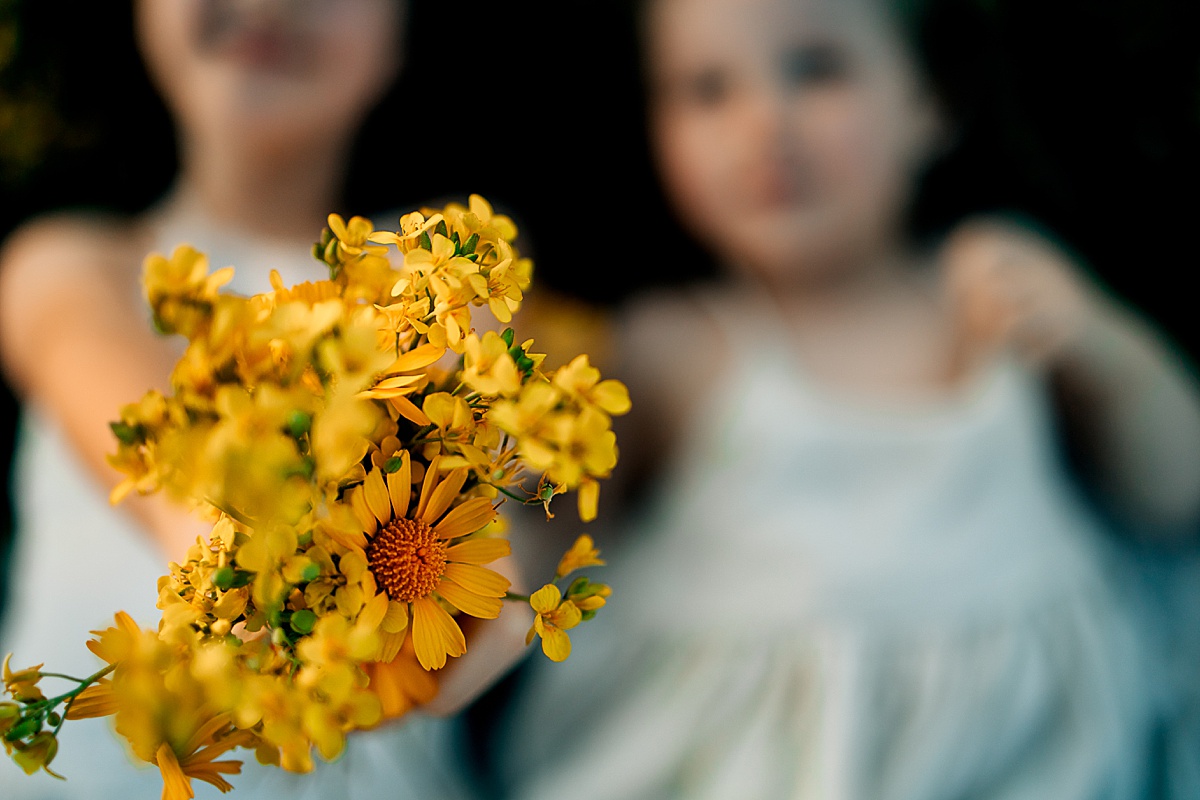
(180, 290)
(457, 433)
(555, 616)
(97, 700)
(504, 284)
(588, 596)
(196, 759)
(582, 554)
(37, 753)
(488, 368)
(478, 218)
(307, 292)
(411, 227)
(352, 238)
(22, 684)
(413, 562)
(581, 380)
(572, 446)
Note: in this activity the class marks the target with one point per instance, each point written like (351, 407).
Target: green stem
(60, 675)
(521, 598)
(525, 501)
(83, 684)
(234, 513)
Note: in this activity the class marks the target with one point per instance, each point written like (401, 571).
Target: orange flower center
(407, 559)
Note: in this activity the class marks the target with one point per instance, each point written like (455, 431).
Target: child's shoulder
(71, 245)
(60, 270)
(670, 349)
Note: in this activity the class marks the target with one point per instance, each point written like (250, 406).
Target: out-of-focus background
(1085, 115)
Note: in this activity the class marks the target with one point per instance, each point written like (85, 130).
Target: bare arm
(1133, 401)
(74, 341)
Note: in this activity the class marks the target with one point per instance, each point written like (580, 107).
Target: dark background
(1084, 115)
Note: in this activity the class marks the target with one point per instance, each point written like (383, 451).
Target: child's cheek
(854, 151)
(698, 163)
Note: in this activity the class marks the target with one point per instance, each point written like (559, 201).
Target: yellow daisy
(414, 562)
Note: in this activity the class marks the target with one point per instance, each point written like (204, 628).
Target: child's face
(788, 132)
(270, 72)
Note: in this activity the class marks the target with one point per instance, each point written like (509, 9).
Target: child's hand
(1013, 289)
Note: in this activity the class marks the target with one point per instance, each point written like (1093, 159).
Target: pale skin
(1139, 405)
(788, 134)
(266, 102)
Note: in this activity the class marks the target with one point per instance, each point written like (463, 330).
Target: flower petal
(479, 551)
(466, 518)
(588, 499)
(468, 602)
(97, 700)
(373, 612)
(399, 485)
(545, 599)
(176, 785)
(435, 634)
(427, 486)
(417, 358)
(362, 512)
(443, 495)
(377, 497)
(408, 410)
(480, 580)
(556, 644)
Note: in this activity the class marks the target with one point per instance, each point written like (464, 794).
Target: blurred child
(267, 97)
(860, 569)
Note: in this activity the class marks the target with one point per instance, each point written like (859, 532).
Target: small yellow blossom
(555, 616)
(582, 554)
(22, 685)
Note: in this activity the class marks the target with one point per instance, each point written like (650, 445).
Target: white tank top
(827, 601)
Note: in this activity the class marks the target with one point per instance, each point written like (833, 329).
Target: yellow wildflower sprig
(557, 612)
(353, 478)
(29, 724)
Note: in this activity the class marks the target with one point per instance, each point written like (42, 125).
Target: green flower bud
(223, 578)
(299, 423)
(303, 621)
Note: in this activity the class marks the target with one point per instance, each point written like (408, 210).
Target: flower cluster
(351, 442)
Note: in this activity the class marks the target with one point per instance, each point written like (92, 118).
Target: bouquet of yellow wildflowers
(350, 441)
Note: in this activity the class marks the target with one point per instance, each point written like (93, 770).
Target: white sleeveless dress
(832, 602)
(77, 560)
